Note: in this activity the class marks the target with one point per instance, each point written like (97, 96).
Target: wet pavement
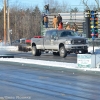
(35, 83)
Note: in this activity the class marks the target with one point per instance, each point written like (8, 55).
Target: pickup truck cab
(60, 42)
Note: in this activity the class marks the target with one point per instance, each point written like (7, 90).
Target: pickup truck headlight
(68, 42)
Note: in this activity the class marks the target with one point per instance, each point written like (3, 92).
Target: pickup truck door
(50, 43)
(47, 42)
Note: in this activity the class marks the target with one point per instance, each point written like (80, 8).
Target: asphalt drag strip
(6, 56)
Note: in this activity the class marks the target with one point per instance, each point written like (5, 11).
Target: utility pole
(5, 22)
(8, 25)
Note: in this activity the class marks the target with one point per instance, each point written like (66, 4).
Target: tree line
(23, 23)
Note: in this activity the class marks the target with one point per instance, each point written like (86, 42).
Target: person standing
(76, 27)
(59, 18)
(72, 28)
(46, 21)
(46, 7)
(55, 22)
(68, 27)
(60, 26)
(43, 15)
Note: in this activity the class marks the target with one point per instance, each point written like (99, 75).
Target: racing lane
(71, 58)
(28, 83)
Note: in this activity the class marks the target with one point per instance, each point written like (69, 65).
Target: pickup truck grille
(79, 41)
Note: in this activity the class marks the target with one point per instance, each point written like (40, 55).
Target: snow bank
(8, 48)
(48, 63)
(4, 48)
(96, 50)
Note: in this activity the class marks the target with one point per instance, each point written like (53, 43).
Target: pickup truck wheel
(19, 48)
(63, 52)
(34, 51)
(38, 52)
(85, 51)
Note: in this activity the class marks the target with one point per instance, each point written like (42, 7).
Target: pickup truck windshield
(67, 33)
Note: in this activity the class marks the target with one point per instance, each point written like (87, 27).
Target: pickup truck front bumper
(77, 48)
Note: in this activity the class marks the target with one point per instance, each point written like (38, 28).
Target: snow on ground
(40, 62)
(48, 63)
(4, 49)
(96, 50)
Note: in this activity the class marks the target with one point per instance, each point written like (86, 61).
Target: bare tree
(25, 23)
(74, 10)
(85, 3)
(98, 7)
(92, 6)
(97, 1)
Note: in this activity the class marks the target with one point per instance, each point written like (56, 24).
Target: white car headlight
(68, 42)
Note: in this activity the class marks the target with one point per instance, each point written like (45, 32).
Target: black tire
(56, 53)
(85, 51)
(62, 52)
(38, 52)
(23, 49)
(26, 49)
(19, 48)
(34, 51)
(29, 49)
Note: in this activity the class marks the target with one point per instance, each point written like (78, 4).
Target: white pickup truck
(60, 42)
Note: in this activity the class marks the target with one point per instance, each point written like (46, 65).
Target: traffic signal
(91, 24)
(87, 18)
(94, 24)
(88, 13)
